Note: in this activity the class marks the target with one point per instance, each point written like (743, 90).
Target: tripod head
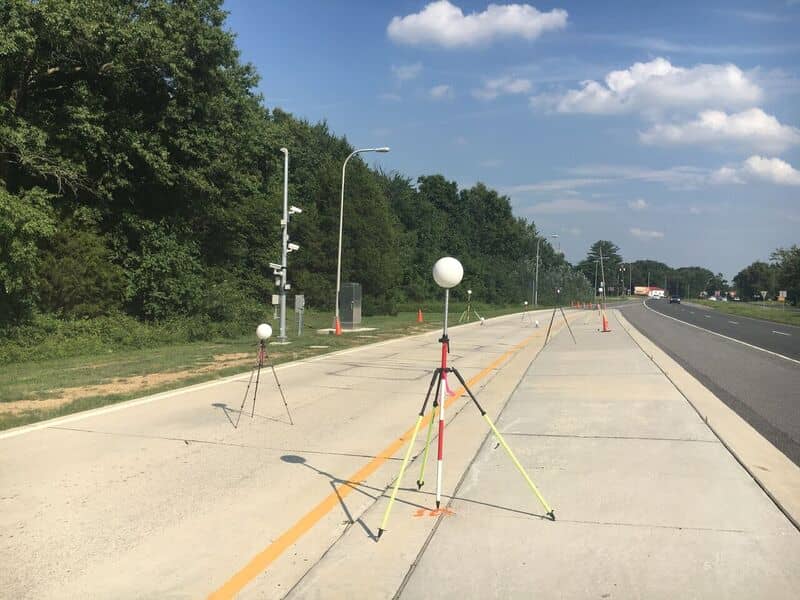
(447, 273)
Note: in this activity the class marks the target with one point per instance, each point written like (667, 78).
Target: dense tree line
(140, 172)
(781, 273)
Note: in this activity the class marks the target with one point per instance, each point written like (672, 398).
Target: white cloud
(567, 205)
(680, 177)
(553, 185)
(406, 72)
(442, 23)
(726, 175)
(493, 88)
(657, 85)
(441, 92)
(638, 204)
(646, 234)
(772, 170)
(753, 128)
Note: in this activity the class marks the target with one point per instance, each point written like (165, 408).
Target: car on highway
(674, 299)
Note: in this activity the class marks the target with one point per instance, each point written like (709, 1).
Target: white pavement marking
(734, 322)
(707, 316)
(797, 362)
(781, 332)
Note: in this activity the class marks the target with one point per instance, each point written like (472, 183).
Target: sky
(669, 128)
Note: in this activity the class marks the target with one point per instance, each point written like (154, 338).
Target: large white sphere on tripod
(264, 331)
(447, 272)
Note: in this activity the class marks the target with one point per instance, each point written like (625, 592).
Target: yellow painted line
(267, 556)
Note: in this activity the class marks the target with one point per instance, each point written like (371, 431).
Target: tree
(787, 264)
(717, 283)
(754, 278)
(611, 262)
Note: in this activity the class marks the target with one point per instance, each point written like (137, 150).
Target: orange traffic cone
(606, 328)
(337, 327)
(419, 315)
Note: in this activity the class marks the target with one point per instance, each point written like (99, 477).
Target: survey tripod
(263, 356)
(553, 316)
(440, 403)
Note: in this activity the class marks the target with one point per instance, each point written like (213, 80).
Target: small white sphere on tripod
(537, 322)
(526, 303)
(263, 331)
(482, 320)
(447, 272)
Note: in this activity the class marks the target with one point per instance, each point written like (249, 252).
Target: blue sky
(672, 129)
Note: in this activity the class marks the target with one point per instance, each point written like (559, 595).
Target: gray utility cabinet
(350, 305)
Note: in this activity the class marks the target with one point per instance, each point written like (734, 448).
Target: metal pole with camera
(448, 272)
(263, 333)
(286, 247)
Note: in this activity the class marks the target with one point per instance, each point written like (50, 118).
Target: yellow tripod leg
(520, 468)
(400, 477)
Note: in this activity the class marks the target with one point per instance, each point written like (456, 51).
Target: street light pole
(284, 242)
(337, 323)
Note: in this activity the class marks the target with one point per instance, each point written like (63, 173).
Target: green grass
(772, 311)
(48, 377)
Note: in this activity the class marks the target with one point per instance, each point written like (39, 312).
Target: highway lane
(764, 389)
(775, 337)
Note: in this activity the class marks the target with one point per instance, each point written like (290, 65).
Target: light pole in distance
(337, 323)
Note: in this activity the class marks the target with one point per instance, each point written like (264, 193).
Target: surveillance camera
(293, 210)
(292, 247)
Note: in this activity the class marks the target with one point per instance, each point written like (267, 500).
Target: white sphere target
(264, 331)
(447, 272)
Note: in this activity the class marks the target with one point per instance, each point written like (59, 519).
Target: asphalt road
(775, 337)
(764, 389)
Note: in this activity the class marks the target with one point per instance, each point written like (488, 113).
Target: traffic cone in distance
(606, 328)
(337, 327)
(419, 315)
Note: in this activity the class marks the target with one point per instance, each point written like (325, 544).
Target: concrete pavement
(164, 498)
(650, 504)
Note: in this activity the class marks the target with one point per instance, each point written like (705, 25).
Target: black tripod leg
(280, 389)
(568, 327)
(255, 390)
(547, 337)
(246, 392)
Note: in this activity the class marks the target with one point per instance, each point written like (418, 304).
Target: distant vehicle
(674, 300)
(713, 298)
(656, 293)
